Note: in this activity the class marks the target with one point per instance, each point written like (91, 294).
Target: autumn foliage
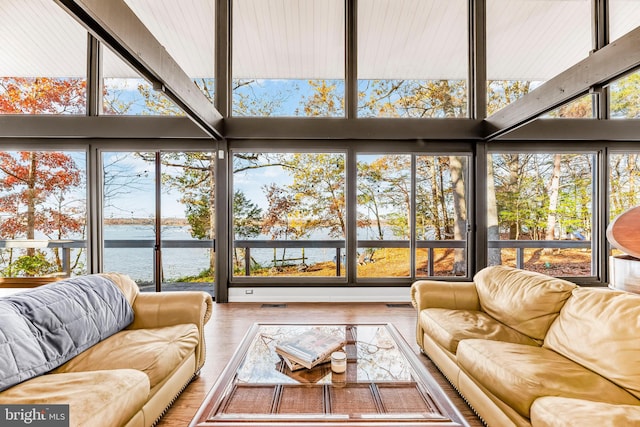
(33, 186)
(42, 95)
(29, 181)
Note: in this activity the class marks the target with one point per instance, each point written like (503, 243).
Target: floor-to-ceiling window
(160, 231)
(292, 216)
(289, 214)
(412, 215)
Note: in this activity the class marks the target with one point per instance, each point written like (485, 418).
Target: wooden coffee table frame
(414, 402)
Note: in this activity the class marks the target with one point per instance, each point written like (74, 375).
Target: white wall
(319, 294)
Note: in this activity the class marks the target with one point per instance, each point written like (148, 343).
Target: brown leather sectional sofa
(526, 349)
(131, 377)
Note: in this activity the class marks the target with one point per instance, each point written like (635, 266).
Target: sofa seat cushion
(448, 327)
(95, 399)
(598, 328)
(526, 301)
(565, 412)
(156, 352)
(519, 374)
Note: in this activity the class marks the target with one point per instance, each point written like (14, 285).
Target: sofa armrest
(441, 294)
(155, 310)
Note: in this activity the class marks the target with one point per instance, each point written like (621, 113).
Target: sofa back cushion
(127, 286)
(523, 300)
(598, 328)
(42, 328)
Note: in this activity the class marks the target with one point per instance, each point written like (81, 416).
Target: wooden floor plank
(230, 322)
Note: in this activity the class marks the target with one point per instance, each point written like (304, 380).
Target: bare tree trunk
(514, 177)
(31, 201)
(435, 194)
(443, 202)
(493, 230)
(460, 209)
(554, 190)
(615, 178)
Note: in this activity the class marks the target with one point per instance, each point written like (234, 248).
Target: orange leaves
(33, 186)
(42, 95)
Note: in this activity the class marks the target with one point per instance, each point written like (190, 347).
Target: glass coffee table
(385, 384)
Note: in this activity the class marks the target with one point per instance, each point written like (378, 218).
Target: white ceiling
(37, 38)
(304, 39)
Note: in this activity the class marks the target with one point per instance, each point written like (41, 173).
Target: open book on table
(309, 348)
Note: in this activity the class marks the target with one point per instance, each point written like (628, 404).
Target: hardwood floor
(230, 322)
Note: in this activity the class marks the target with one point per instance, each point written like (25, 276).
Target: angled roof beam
(601, 67)
(117, 26)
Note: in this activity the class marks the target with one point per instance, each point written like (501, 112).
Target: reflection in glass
(375, 354)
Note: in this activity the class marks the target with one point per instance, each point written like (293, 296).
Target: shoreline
(145, 221)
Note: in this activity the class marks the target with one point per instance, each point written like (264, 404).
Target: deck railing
(338, 245)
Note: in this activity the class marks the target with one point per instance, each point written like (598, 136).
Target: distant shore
(145, 221)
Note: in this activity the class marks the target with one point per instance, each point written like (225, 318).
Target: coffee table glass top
(384, 383)
(372, 356)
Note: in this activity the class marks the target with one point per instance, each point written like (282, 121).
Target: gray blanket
(44, 327)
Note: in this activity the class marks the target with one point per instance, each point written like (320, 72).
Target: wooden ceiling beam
(117, 26)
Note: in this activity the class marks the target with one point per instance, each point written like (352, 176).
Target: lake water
(180, 262)
(138, 262)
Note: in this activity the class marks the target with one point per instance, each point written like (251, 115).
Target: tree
(319, 190)
(36, 185)
(247, 219)
(282, 220)
(248, 98)
(623, 181)
(396, 191)
(323, 101)
(42, 95)
(625, 97)
(457, 168)
(553, 191)
(413, 98)
(493, 225)
(501, 93)
(369, 181)
(32, 192)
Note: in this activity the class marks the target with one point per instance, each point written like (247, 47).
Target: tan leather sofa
(526, 349)
(133, 376)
